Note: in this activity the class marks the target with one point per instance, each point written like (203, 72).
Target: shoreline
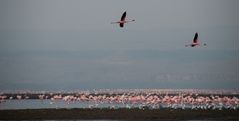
(118, 114)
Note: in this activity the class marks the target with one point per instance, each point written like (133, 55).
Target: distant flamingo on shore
(122, 20)
(193, 99)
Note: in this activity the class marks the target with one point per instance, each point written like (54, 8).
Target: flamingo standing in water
(122, 20)
(195, 41)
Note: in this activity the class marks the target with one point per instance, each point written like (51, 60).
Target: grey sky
(95, 15)
(71, 44)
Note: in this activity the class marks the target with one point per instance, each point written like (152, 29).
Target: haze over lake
(70, 45)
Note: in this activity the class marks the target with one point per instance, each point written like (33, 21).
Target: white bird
(122, 21)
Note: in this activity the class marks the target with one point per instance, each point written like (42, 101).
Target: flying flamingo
(195, 41)
(122, 20)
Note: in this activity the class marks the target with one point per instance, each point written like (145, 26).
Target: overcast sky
(70, 44)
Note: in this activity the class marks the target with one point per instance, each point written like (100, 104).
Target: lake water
(40, 104)
(49, 104)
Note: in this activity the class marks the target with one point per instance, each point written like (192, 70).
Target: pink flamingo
(122, 20)
(195, 41)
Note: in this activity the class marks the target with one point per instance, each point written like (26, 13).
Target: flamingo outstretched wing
(195, 39)
(123, 16)
(122, 19)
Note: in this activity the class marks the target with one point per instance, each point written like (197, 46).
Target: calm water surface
(40, 104)
(49, 104)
